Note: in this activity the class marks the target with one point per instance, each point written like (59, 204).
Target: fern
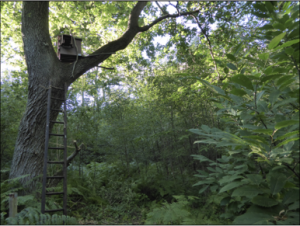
(31, 215)
(173, 213)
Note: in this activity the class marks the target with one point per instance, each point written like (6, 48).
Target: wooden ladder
(46, 160)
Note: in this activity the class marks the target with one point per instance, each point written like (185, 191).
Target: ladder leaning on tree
(46, 159)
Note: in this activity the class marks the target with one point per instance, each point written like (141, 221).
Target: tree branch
(133, 29)
(54, 182)
(209, 45)
(147, 27)
(85, 64)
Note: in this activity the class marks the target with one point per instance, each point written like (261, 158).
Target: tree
(43, 65)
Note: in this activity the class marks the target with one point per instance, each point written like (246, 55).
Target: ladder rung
(54, 134)
(54, 193)
(55, 162)
(54, 210)
(56, 177)
(54, 98)
(59, 110)
(57, 122)
(56, 148)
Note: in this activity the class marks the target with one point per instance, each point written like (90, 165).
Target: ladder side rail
(65, 153)
(46, 149)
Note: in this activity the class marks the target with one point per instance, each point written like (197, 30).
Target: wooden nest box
(66, 50)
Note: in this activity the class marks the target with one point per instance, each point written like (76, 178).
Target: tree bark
(43, 64)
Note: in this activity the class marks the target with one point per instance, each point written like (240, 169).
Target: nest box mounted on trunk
(66, 49)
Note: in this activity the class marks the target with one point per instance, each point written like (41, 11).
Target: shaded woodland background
(204, 130)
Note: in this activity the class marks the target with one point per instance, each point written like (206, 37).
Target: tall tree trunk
(42, 65)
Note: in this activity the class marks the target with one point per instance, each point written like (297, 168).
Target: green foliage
(173, 213)
(137, 151)
(9, 186)
(31, 215)
(29, 205)
(260, 165)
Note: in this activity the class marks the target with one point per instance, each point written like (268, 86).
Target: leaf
(227, 179)
(260, 6)
(287, 141)
(259, 95)
(269, 77)
(264, 131)
(231, 186)
(284, 102)
(291, 196)
(202, 158)
(285, 123)
(238, 92)
(287, 160)
(231, 66)
(211, 181)
(203, 189)
(275, 41)
(266, 27)
(268, 70)
(23, 199)
(277, 182)
(255, 178)
(257, 138)
(242, 80)
(211, 169)
(231, 57)
(287, 135)
(273, 96)
(283, 79)
(289, 51)
(261, 200)
(257, 215)
(270, 7)
(294, 206)
(279, 26)
(219, 90)
(225, 201)
(226, 70)
(286, 83)
(263, 56)
(289, 43)
(205, 128)
(249, 191)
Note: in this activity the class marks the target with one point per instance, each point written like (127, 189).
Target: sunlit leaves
(289, 43)
(263, 56)
(275, 41)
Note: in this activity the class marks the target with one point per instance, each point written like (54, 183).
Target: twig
(160, 8)
(176, 7)
(108, 68)
(291, 170)
(209, 45)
